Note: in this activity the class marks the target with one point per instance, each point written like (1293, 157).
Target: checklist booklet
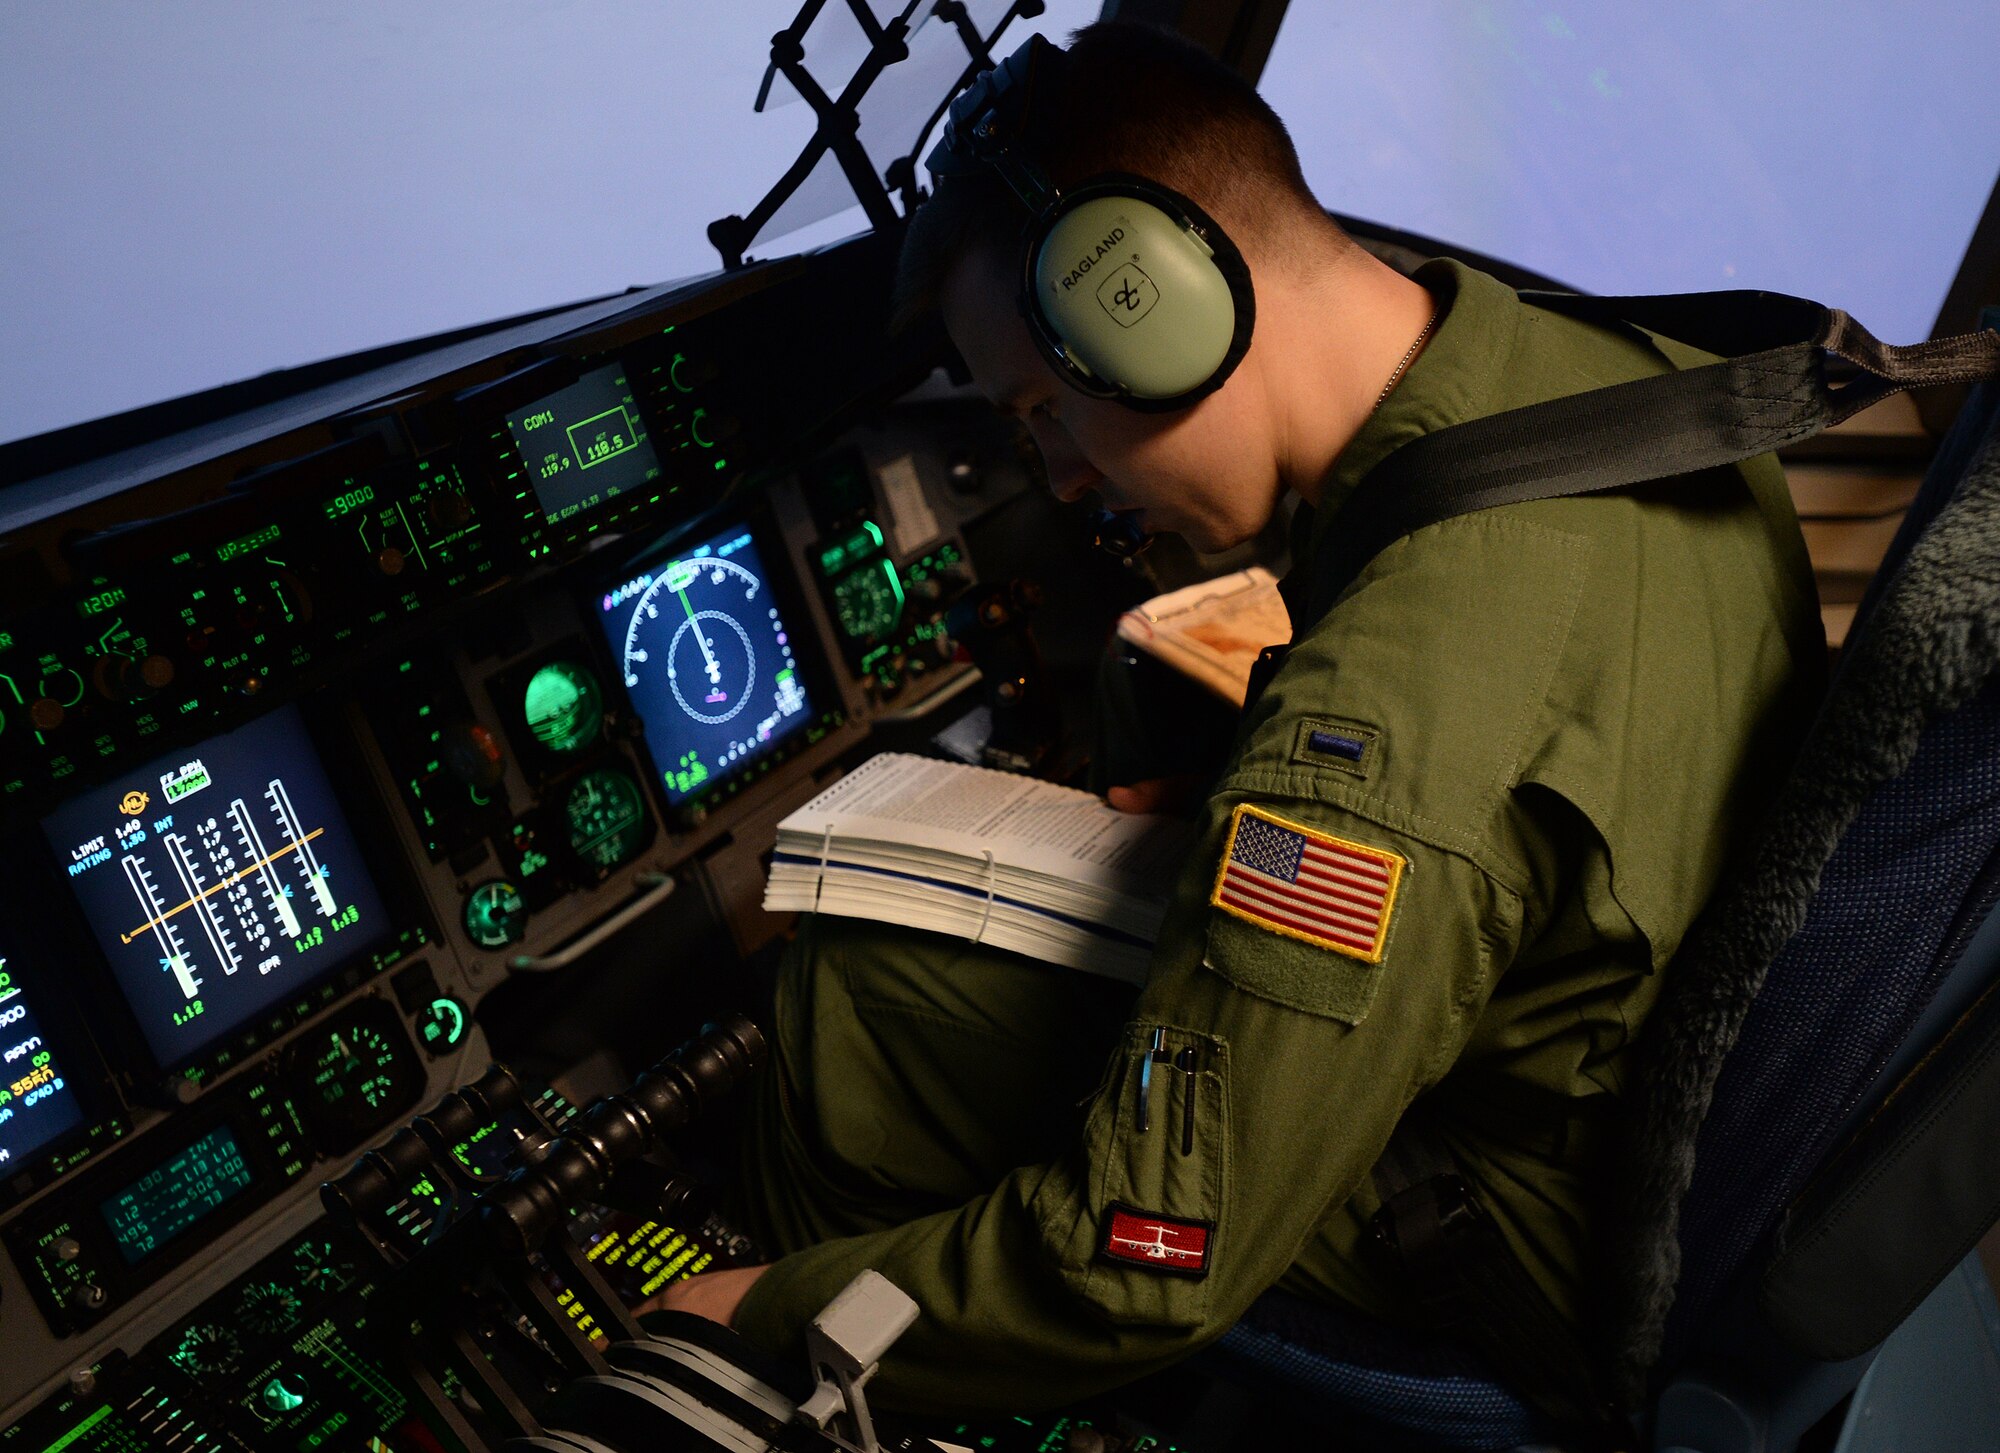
(1010, 861)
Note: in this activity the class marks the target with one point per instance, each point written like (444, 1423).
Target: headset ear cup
(1134, 301)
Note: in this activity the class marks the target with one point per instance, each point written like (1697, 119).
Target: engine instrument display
(708, 663)
(219, 881)
(584, 444)
(37, 1106)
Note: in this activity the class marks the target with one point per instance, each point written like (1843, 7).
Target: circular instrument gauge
(268, 1307)
(207, 1350)
(357, 1073)
(357, 1063)
(607, 819)
(564, 707)
(496, 914)
(703, 623)
(321, 1268)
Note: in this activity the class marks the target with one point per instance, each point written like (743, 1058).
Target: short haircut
(1128, 98)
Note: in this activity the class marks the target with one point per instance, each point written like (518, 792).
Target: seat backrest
(1817, 956)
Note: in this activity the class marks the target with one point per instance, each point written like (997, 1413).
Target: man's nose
(1070, 474)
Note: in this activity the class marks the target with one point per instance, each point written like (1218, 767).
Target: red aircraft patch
(1165, 1244)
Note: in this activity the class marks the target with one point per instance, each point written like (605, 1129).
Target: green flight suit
(1563, 712)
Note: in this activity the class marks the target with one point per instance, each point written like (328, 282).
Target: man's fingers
(1155, 794)
(713, 1294)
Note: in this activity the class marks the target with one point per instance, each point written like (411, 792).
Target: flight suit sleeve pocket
(1156, 1156)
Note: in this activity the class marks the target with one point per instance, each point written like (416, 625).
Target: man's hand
(1156, 794)
(714, 1294)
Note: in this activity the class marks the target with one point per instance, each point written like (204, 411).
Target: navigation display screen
(219, 881)
(174, 1196)
(37, 1106)
(584, 444)
(707, 661)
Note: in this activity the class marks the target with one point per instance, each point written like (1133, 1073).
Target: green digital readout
(176, 1195)
(248, 544)
(98, 604)
(851, 548)
(585, 444)
(349, 501)
(564, 707)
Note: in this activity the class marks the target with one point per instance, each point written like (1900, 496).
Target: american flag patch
(1307, 885)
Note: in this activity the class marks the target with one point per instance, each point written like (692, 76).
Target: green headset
(1130, 291)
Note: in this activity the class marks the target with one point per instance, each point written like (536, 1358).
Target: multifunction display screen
(176, 1195)
(584, 444)
(707, 661)
(219, 882)
(37, 1105)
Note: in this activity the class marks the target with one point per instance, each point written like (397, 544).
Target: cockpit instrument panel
(219, 882)
(584, 445)
(38, 1107)
(708, 661)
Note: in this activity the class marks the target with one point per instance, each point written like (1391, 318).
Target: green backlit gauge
(607, 819)
(356, 1063)
(356, 1074)
(564, 707)
(442, 1026)
(268, 1308)
(869, 601)
(495, 914)
(207, 1350)
(321, 1268)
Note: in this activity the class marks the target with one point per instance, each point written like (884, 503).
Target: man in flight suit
(1502, 769)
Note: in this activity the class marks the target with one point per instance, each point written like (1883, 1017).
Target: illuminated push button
(564, 707)
(45, 713)
(389, 560)
(495, 914)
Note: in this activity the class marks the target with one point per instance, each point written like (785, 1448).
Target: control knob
(474, 755)
(120, 676)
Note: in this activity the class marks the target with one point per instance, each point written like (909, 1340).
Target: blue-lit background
(1842, 151)
(198, 192)
(195, 193)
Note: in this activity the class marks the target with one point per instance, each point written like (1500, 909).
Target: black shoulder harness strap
(1773, 386)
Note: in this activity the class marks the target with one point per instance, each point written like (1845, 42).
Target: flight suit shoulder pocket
(1300, 915)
